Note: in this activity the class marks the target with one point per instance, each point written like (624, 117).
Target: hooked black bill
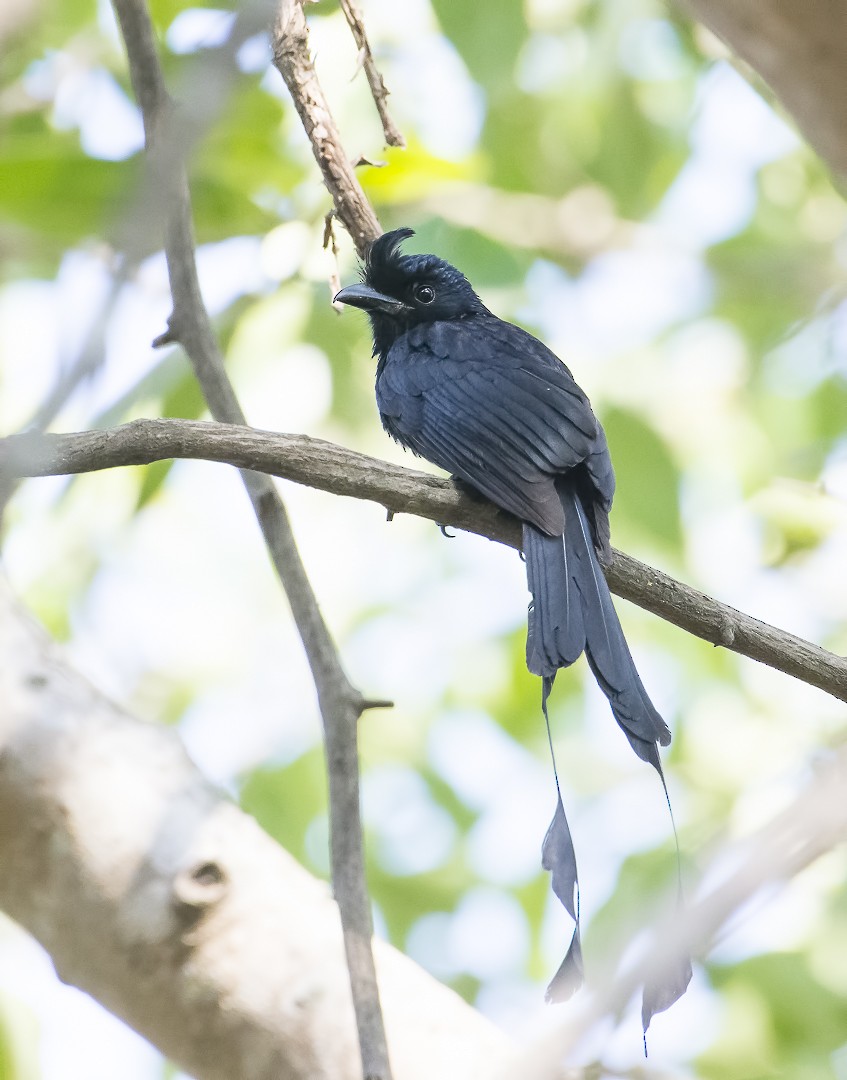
(368, 299)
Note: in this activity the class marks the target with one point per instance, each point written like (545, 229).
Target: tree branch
(800, 50)
(353, 15)
(775, 45)
(291, 57)
(171, 907)
(340, 703)
(332, 468)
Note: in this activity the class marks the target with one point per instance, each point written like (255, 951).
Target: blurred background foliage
(606, 177)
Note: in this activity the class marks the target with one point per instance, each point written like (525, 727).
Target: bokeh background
(607, 178)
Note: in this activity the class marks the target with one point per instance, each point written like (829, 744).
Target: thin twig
(340, 703)
(353, 15)
(292, 59)
(331, 243)
(332, 468)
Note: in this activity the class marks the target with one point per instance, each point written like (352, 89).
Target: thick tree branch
(332, 468)
(171, 907)
(341, 704)
(800, 50)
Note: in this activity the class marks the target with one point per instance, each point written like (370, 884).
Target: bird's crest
(384, 253)
(386, 267)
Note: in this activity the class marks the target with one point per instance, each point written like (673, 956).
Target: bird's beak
(368, 299)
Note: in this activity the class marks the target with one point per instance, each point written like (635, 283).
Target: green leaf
(772, 250)
(285, 800)
(791, 1027)
(517, 707)
(644, 881)
(163, 12)
(222, 211)
(49, 186)
(404, 899)
(154, 476)
(520, 157)
(486, 263)
(238, 171)
(347, 344)
(635, 159)
(489, 37)
(171, 372)
(647, 493)
(413, 173)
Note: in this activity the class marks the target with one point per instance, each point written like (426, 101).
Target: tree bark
(333, 468)
(799, 47)
(160, 898)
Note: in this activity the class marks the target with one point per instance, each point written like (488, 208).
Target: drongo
(498, 410)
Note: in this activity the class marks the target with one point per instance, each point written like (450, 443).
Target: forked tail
(571, 613)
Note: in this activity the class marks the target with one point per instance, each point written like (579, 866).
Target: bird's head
(400, 291)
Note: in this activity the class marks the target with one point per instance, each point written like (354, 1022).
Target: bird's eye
(424, 294)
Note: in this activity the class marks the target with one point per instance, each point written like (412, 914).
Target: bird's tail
(572, 612)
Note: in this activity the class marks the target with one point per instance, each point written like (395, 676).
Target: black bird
(495, 407)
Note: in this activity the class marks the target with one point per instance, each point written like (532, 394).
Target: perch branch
(332, 468)
(769, 45)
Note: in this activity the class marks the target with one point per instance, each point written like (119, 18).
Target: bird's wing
(491, 404)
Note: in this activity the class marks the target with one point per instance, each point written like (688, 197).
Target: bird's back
(491, 404)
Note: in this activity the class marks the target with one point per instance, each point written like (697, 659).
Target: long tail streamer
(572, 612)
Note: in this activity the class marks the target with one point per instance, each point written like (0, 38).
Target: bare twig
(332, 468)
(331, 243)
(356, 23)
(341, 704)
(291, 57)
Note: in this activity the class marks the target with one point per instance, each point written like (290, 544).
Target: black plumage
(496, 408)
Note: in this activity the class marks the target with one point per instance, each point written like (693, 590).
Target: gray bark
(799, 47)
(344, 472)
(160, 898)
